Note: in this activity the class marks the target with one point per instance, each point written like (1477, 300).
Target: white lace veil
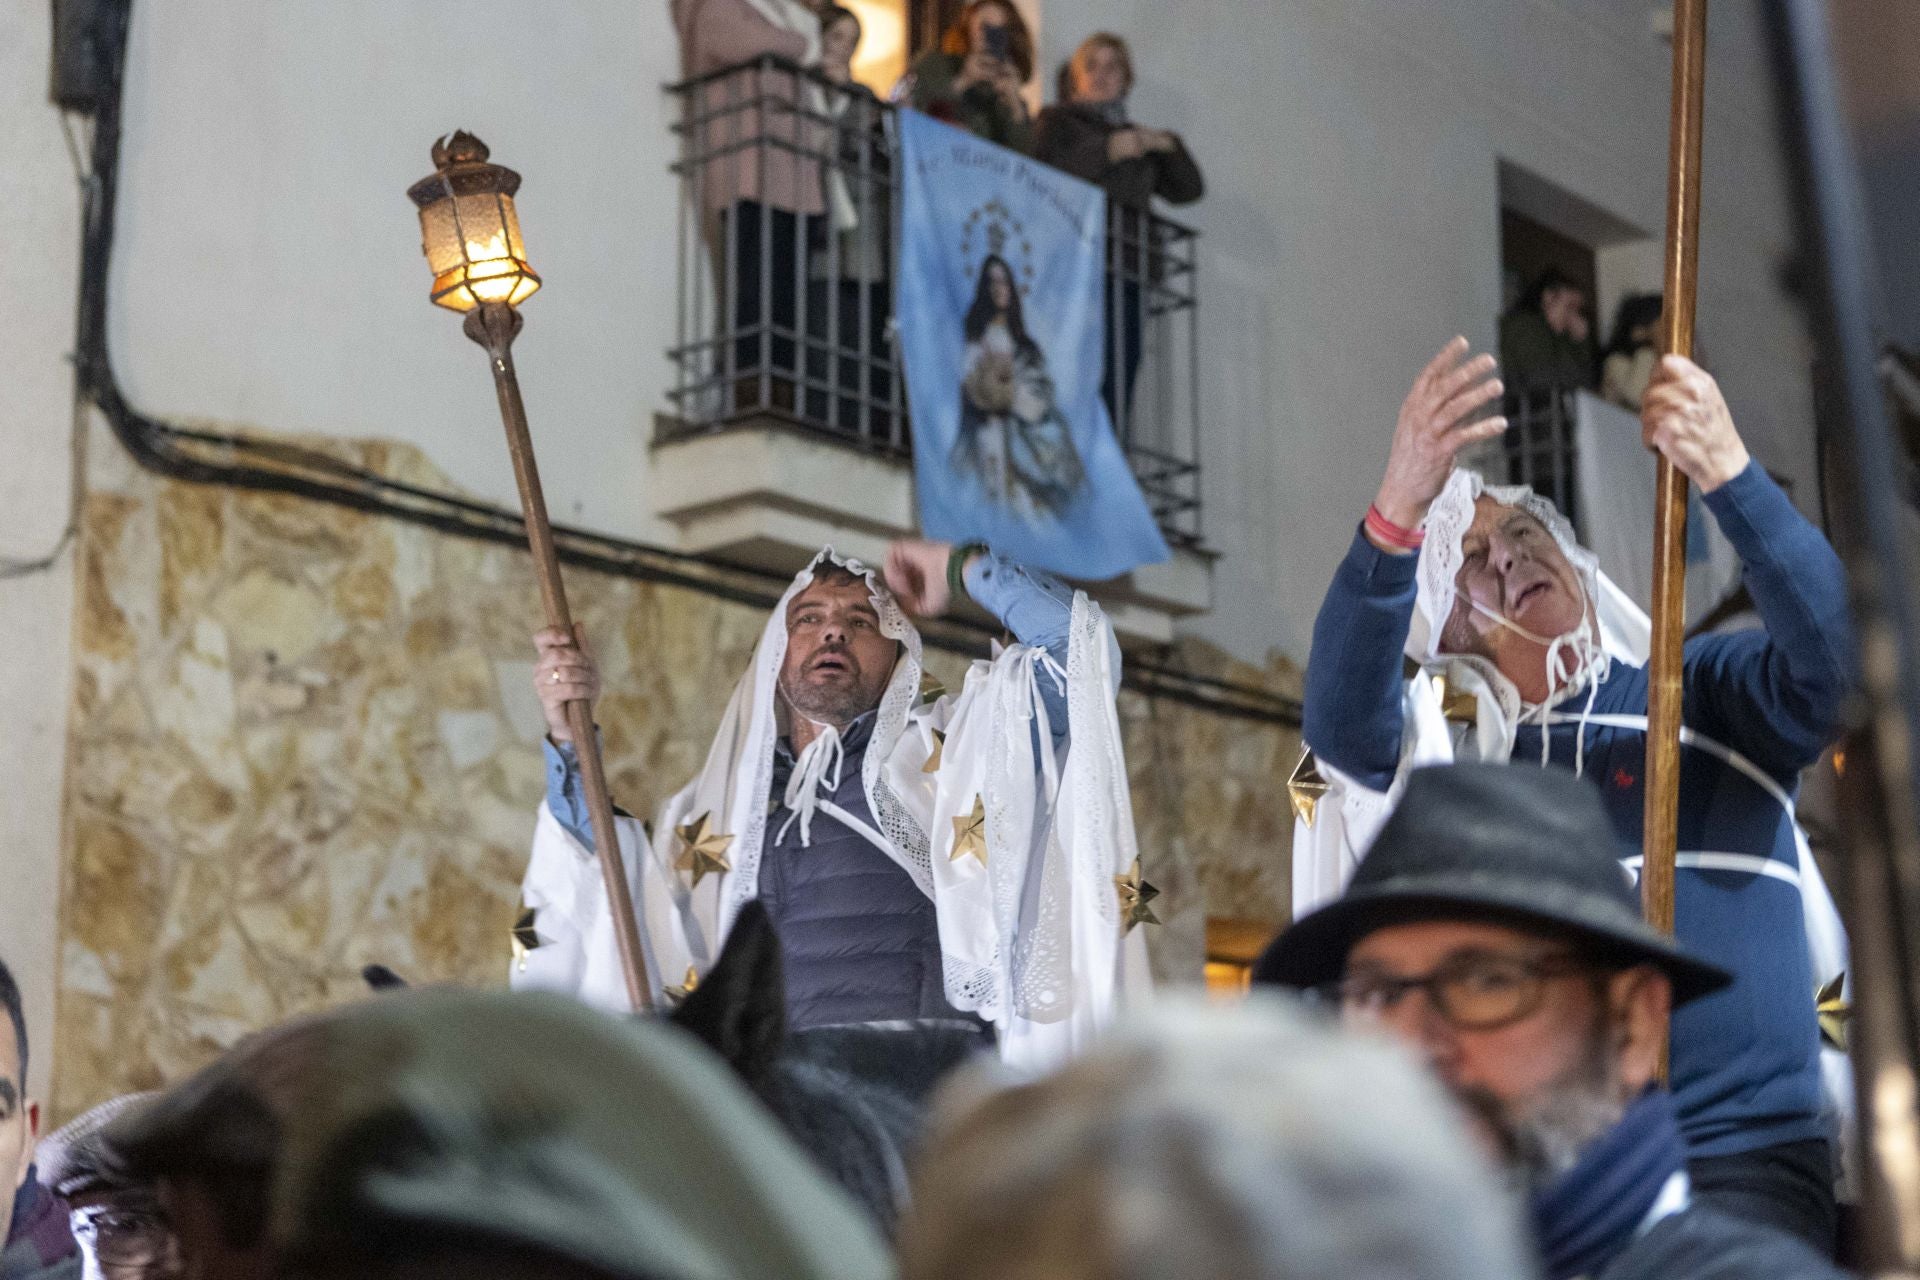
(738, 773)
(1624, 631)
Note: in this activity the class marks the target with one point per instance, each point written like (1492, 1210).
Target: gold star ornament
(703, 851)
(523, 939)
(970, 834)
(1457, 704)
(939, 750)
(1834, 1012)
(1305, 787)
(1135, 895)
(688, 985)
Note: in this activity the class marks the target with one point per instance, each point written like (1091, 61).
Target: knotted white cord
(1037, 709)
(1591, 665)
(817, 769)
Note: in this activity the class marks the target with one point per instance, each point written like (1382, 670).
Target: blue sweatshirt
(859, 941)
(1745, 1064)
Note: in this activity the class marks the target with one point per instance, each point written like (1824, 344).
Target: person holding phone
(974, 79)
(1089, 134)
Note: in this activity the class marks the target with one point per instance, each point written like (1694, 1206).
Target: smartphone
(996, 42)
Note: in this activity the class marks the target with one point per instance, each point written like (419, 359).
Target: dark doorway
(926, 19)
(1529, 249)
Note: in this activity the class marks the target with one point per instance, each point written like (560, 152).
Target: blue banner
(1001, 321)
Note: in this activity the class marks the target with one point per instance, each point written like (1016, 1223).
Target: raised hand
(566, 672)
(980, 67)
(1008, 84)
(1684, 417)
(1436, 423)
(1126, 144)
(916, 573)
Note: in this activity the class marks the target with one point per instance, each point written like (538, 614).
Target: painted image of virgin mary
(1012, 438)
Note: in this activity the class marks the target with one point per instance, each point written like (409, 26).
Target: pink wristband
(1392, 534)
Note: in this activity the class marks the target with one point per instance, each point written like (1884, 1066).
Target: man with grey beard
(1491, 930)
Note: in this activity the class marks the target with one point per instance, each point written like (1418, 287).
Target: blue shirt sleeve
(1775, 695)
(564, 795)
(1037, 608)
(1352, 716)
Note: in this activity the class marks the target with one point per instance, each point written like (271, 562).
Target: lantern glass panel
(514, 244)
(440, 237)
(473, 244)
(483, 225)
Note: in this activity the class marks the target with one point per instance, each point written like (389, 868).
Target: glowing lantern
(468, 228)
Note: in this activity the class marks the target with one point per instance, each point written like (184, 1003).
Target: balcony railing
(1541, 446)
(787, 254)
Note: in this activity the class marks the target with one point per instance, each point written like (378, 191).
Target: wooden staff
(493, 325)
(471, 239)
(1670, 489)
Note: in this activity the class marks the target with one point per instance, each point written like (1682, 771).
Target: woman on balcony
(850, 276)
(973, 80)
(1634, 353)
(1088, 135)
(754, 159)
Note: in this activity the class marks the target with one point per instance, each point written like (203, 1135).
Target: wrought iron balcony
(787, 255)
(1542, 447)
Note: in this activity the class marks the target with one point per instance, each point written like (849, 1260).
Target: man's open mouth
(1528, 593)
(830, 664)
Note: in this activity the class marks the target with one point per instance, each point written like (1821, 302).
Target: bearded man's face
(1539, 1088)
(838, 662)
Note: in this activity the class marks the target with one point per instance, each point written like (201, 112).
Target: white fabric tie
(1036, 709)
(1591, 664)
(816, 770)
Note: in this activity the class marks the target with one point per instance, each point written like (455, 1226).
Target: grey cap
(1202, 1141)
(518, 1121)
(71, 1159)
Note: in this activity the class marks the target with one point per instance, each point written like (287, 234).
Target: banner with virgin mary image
(1000, 320)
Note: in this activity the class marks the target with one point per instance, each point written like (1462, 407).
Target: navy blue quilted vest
(857, 937)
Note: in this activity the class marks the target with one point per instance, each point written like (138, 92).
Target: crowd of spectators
(1517, 1131)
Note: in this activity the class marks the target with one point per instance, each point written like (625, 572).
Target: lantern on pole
(470, 234)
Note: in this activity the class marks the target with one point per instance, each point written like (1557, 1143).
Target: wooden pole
(494, 325)
(1670, 488)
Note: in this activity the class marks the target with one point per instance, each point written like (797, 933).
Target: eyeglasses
(1471, 992)
(120, 1234)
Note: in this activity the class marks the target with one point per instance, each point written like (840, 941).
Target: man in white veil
(1518, 634)
(920, 856)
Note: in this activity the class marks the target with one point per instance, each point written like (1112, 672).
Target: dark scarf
(1112, 113)
(40, 1234)
(1594, 1210)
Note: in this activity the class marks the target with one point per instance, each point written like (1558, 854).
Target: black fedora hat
(1509, 843)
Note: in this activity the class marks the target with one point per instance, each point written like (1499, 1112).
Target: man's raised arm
(1352, 718)
(1776, 695)
(1035, 606)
